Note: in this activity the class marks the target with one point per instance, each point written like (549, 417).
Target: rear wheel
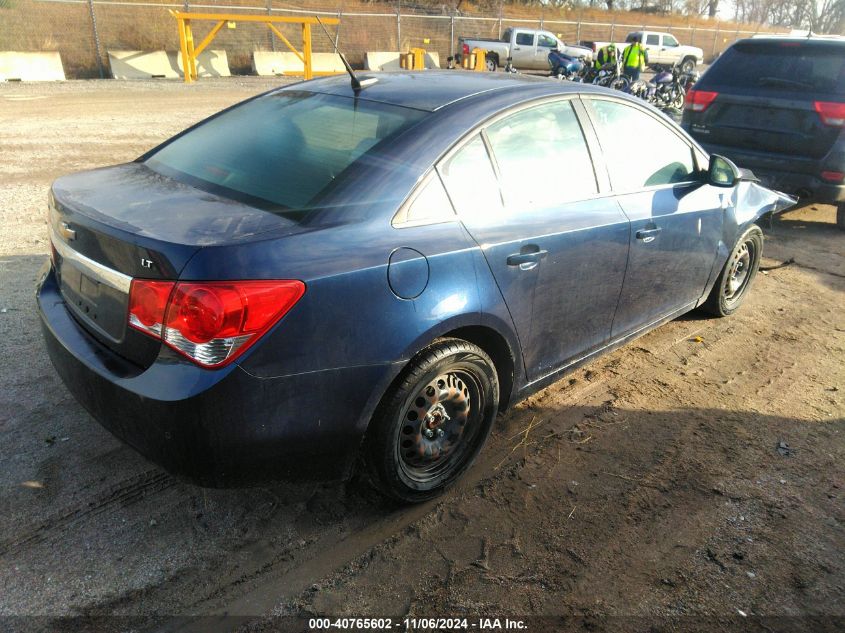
(732, 285)
(431, 425)
(688, 65)
(840, 215)
(492, 63)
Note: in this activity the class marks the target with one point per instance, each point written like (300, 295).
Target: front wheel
(732, 285)
(433, 422)
(619, 83)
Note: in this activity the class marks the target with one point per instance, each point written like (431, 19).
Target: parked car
(662, 48)
(320, 274)
(528, 48)
(777, 106)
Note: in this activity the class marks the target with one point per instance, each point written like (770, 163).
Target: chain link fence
(82, 31)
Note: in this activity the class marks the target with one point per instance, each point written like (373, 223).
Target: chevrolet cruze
(327, 272)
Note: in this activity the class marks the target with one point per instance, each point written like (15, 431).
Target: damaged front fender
(751, 201)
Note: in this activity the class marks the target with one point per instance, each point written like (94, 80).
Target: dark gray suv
(776, 105)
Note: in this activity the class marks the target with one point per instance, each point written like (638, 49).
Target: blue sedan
(328, 272)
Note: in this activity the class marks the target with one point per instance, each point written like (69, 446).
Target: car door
(669, 49)
(676, 217)
(522, 51)
(555, 243)
(546, 42)
(653, 48)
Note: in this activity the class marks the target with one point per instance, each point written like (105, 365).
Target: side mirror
(722, 172)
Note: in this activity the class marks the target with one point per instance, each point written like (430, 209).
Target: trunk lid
(111, 225)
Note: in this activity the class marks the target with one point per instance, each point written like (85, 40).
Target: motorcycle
(565, 67)
(666, 90)
(611, 76)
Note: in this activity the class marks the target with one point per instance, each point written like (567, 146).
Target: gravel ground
(648, 484)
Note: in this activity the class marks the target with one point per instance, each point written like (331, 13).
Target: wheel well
(499, 351)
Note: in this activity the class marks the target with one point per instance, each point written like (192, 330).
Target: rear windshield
(281, 150)
(789, 66)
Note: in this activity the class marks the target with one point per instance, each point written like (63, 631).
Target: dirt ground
(693, 478)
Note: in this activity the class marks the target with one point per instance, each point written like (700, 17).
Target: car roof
(812, 40)
(431, 90)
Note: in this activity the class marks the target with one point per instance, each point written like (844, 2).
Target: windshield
(788, 66)
(280, 150)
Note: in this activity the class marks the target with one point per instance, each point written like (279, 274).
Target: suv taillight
(211, 323)
(699, 100)
(831, 112)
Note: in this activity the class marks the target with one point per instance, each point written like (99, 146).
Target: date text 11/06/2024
(415, 624)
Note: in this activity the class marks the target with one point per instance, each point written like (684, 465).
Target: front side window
(669, 40)
(281, 150)
(640, 150)
(542, 156)
(547, 41)
(471, 181)
(652, 40)
(525, 39)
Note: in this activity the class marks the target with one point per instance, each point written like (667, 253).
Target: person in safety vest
(606, 55)
(634, 59)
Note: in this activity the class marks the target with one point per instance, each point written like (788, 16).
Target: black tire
(688, 65)
(432, 423)
(735, 279)
(840, 216)
(491, 63)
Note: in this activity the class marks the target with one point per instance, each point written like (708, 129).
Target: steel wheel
(431, 424)
(740, 270)
(432, 441)
(737, 274)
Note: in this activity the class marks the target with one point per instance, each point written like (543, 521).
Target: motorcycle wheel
(678, 101)
(619, 83)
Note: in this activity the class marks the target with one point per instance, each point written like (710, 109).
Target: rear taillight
(833, 176)
(211, 323)
(699, 100)
(831, 112)
(147, 304)
(465, 49)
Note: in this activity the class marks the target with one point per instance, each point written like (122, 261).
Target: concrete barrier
(209, 64)
(287, 63)
(143, 65)
(388, 60)
(16, 66)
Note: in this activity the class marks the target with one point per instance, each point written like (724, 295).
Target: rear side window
(471, 182)
(788, 66)
(525, 39)
(542, 157)
(280, 150)
(640, 150)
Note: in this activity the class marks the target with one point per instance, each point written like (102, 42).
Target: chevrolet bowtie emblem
(68, 233)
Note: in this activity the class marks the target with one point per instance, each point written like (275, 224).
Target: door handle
(648, 235)
(528, 260)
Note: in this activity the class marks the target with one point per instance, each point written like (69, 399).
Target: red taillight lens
(212, 323)
(466, 49)
(699, 100)
(147, 303)
(831, 112)
(833, 176)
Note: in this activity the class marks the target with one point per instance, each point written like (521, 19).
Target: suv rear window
(280, 150)
(810, 67)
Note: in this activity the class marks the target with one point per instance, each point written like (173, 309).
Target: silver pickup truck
(527, 48)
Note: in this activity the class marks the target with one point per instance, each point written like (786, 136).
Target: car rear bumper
(213, 427)
(786, 174)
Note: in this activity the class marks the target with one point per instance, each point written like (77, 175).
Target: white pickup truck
(528, 48)
(662, 48)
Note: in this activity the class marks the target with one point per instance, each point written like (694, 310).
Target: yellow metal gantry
(190, 53)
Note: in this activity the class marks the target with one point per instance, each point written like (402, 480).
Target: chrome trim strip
(95, 270)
